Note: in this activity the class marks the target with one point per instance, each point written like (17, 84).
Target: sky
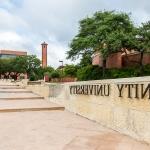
(25, 24)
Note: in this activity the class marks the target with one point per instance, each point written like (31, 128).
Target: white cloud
(11, 40)
(9, 37)
(10, 21)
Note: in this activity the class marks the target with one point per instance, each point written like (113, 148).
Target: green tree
(6, 67)
(89, 73)
(22, 64)
(107, 32)
(70, 70)
(86, 60)
(143, 44)
(18, 66)
(55, 74)
(48, 69)
(32, 64)
(29, 64)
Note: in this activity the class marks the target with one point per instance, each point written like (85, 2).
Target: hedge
(95, 73)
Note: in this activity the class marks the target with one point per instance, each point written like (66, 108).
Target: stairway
(14, 98)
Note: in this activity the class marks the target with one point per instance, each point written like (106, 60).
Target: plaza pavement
(24, 127)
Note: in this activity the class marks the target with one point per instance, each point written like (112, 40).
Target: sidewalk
(59, 130)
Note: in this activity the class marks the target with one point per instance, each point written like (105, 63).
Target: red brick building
(11, 53)
(120, 59)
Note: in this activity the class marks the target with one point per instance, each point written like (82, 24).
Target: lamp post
(61, 61)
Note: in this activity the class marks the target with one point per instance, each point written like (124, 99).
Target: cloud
(9, 37)
(140, 10)
(27, 23)
(12, 40)
(10, 21)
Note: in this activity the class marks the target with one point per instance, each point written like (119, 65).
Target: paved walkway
(56, 130)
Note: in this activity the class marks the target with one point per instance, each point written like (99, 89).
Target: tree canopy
(23, 64)
(144, 37)
(106, 31)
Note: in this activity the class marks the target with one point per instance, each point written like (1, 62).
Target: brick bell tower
(44, 54)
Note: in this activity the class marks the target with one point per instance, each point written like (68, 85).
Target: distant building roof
(12, 52)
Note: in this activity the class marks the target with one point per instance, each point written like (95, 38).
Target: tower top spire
(44, 43)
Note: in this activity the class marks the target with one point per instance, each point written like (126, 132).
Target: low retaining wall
(46, 89)
(120, 104)
(42, 90)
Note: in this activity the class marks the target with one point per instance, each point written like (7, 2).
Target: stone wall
(126, 108)
(42, 90)
(47, 90)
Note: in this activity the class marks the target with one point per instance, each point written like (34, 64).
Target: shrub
(89, 73)
(55, 74)
(147, 70)
(70, 70)
(122, 73)
(95, 73)
(33, 77)
(47, 74)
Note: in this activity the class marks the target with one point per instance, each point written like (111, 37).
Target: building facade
(120, 59)
(4, 54)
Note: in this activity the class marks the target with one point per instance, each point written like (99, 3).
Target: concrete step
(22, 98)
(31, 109)
(8, 85)
(14, 98)
(11, 87)
(6, 91)
(14, 90)
(31, 105)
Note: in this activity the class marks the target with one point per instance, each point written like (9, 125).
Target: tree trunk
(104, 67)
(141, 63)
